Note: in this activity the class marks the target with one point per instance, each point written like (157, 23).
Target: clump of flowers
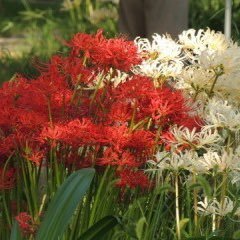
(75, 109)
(209, 77)
(26, 223)
(147, 113)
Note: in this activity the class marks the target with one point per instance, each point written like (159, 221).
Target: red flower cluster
(87, 119)
(132, 179)
(7, 178)
(26, 223)
(105, 53)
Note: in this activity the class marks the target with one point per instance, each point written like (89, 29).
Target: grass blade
(64, 203)
(15, 233)
(100, 228)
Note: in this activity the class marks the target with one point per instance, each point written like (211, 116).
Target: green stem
(6, 209)
(74, 230)
(96, 89)
(195, 202)
(189, 210)
(223, 194)
(76, 88)
(57, 171)
(33, 187)
(98, 197)
(26, 188)
(214, 195)
(195, 95)
(177, 207)
(217, 75)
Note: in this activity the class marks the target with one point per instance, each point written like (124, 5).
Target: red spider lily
(133, 179)
(79, 74)
(26, 223)
(79, 132)
(87, 123)
(7, 178)
(84, 43)
(120, 113)
(141, 140)
(135, 88)
(114, 158)
(35, 157)
(51, 133)
(106, 53)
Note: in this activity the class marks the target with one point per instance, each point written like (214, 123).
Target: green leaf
(219, 238)
(15, 233)
(100, 228)
(64, 203)
(196, 238)
(7, 27)
(140, 227)
(164, 188)
(236, 235)
(205, 185)
(194, 185)
(217, 235)
(183, 223)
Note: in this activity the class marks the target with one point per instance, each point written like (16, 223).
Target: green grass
(205, 13)
(44, 27)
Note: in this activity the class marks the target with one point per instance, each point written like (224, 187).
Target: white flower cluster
(203, 60)
(220, 113)
(211, 160)
(162, 58)
(206, 66)
(222, 208)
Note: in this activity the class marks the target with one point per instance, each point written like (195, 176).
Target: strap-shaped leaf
(15, 233)
(100, 228)
(64, 203)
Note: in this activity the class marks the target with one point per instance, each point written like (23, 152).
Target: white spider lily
(197, 77)
(162, 57)
(226, 63)
(196, 139)
(219, 113)
(178, 161)
(163, 48)
(160, 160)
(155, 69)
(205, 208)
(192, 40)
(195, 165)
(172, 161)
(221, 208)
(201, 40)
(117, 78)
(114, 76)
(211, 160)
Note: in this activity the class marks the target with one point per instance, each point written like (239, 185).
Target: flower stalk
(177, 209)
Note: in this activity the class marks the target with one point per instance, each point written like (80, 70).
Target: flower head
(221, 208)
(26, 223)
(7, 178)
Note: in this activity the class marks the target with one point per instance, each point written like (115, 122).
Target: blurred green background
(32, 30)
